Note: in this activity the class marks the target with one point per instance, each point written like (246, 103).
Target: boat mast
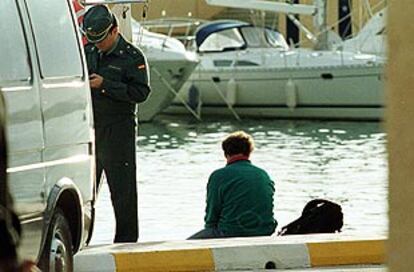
(320, 22)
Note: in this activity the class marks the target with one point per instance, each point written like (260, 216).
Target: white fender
(231, 94)
(291, 94)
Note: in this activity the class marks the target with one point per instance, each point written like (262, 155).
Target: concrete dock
(369, 268)
(298, 252)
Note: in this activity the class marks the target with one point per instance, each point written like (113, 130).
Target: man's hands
(95, 81)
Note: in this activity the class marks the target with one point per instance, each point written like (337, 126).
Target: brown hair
(114, 22)
(238, 142)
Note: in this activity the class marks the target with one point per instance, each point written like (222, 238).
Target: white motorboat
(171, 65)
(250, 71)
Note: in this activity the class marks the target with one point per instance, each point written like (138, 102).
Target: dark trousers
(115, 149)
(207, 233)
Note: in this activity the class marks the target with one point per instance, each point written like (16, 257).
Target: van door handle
(216, 79)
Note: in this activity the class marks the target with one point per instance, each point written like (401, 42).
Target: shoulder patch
(133, 51)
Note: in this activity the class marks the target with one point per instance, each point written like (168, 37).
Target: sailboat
(371, 38)
(171, 65)
(250, 71)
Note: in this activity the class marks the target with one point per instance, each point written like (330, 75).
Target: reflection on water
(341, 161)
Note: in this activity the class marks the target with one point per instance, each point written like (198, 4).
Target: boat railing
(181, 28)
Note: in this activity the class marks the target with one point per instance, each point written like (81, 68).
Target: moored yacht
(171, 65)
(247, 70)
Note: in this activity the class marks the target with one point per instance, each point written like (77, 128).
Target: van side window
(56, 41)
(13, 47)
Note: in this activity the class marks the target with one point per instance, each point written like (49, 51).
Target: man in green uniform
(119, 79)
(239, 195)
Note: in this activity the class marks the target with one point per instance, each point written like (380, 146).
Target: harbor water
(345, 162)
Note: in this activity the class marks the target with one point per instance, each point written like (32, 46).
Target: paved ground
(317, 251)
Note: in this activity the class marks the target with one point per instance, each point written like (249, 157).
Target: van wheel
(57, 254)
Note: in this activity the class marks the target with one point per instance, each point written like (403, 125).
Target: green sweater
(240, 200)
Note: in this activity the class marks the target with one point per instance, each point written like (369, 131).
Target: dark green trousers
(115, 155)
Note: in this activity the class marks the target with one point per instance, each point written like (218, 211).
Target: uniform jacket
(126, 81)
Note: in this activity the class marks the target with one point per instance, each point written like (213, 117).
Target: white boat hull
(326, 92)
(176, 73)
(170, 67)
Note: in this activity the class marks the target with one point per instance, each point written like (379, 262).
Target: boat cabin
(228, 35)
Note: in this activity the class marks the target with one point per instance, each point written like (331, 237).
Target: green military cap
(97, 22)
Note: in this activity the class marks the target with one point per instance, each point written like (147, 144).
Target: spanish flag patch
(141, 66)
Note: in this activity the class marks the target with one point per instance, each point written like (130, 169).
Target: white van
(43, 78)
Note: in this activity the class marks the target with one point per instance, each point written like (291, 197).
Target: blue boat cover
(207, 29)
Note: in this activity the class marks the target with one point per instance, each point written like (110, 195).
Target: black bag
(318, 216)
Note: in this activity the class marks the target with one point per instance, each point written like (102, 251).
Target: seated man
(239, 195)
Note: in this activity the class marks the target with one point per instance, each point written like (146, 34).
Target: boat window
(222, 63)
(13, 48)
(275, 39)
(229, 39)
(245, 63)
(55, 36)
(263, 37)
(254, 36)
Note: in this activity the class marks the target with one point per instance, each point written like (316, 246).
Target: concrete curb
(288, 252)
